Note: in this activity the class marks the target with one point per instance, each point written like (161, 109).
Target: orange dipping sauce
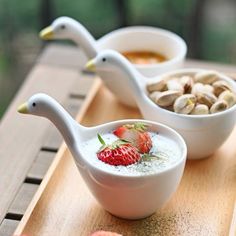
(144, 57)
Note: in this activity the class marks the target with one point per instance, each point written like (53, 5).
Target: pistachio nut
(200, 109)
(154, 95)
(167, 98)
(206, 77)
(219, 106)
(229, 97)
(156, 86)
(187, 83)
(220, 86)
(206, 98)
(199, 88)
(184, 104)
(208, 88)
(174, 85)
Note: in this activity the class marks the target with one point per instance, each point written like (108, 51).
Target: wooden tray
(203, 204)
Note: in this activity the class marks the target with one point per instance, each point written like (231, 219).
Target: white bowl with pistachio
(198, 104)
(199, 93)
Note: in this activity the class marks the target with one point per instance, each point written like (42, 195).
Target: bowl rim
(179, 161)
(185, 71)
(150, 29)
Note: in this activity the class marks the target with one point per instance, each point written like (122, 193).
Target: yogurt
(164, 153)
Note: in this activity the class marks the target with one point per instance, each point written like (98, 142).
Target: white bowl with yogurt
(138, 190)
(131, 192)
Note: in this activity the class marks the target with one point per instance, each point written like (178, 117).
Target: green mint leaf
(101, 139)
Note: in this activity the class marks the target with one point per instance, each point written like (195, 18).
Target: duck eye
(63, 26)
(104, 59)
(34, 104)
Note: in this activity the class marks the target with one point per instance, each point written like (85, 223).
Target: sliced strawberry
(118, 153)
(136, 134)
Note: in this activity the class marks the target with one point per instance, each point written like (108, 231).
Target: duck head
(110, 60)
(129, 77)
(38, 105)
(61, 28)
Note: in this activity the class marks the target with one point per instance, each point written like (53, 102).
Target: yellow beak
(46, 33)
(90, 65)
(23, 108)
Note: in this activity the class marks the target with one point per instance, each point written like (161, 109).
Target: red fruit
(118, 153)
(137, 135)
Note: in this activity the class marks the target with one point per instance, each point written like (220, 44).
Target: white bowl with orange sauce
(168, 46)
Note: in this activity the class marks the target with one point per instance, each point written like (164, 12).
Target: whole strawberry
(137, 135)
(119, 152)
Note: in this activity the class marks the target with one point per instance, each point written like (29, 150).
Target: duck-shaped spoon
(121, 194)
(202, 133)
(135, 38)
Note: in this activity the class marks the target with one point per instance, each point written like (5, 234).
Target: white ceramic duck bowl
(202, 133)
(135, 38)
(125, 196)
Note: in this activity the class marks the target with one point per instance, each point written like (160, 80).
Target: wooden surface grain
(203, 204)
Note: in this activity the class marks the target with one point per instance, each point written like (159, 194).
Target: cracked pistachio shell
(206, 98)
(208, 88)
(200, 109)
(184, 104)
(154, 95)
(220, 86)
(187, 83)
(167, 98)
(199, 88)
(206, 77)
(229, 97)
(219, 106)
(174, 85)
(156, 86)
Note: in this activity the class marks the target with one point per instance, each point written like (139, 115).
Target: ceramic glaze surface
(166, 153)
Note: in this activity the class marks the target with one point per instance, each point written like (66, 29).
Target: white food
(166, 151)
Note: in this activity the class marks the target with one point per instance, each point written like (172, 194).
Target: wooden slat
(41, 165)
(72, 104)
(52, 139)
(8, 227)
(66, 56)
(23, 198)
(22, 136)
(82, 88)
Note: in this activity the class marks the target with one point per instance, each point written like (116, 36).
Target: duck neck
(133, 79)
(83, 38)
(67, 126)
